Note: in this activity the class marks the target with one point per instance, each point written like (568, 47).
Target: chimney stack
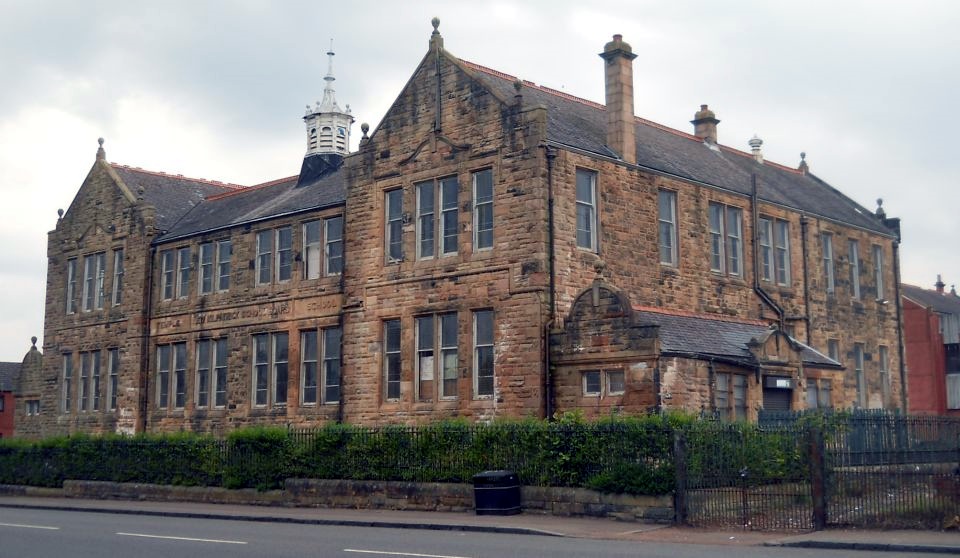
(939, 284)
(621, 121)
(705, 124)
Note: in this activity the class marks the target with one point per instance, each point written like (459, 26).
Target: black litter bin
(496, 493)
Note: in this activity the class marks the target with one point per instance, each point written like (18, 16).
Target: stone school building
(493, 248)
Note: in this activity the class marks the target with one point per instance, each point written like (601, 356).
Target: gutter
(145, 342)
(804, 224)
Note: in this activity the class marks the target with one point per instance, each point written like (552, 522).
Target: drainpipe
(551, 154)
(804, 223)
(756, 256)
(145, 342)
(896, 288)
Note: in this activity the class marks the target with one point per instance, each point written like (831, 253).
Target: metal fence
(868, 469)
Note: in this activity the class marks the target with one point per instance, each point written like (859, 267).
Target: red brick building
(8, 372)
(494, 248)
(931, 330)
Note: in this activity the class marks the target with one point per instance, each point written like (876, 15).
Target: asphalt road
(26, 533)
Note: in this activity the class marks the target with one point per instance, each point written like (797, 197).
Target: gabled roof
(941, 303)
(264, 201)
(581, 124)
(8, 371)
(172, 196)
(713, 337)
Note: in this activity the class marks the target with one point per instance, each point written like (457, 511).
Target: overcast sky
(868, 89)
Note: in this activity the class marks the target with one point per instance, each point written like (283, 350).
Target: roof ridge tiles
(599, 106)
(251, 188)
(688, 314)
(179, 176)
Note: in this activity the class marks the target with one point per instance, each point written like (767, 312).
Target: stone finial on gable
(436, 39)
(803, 167)
(101, 154)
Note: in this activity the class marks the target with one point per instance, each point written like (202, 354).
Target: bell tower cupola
(328, 126)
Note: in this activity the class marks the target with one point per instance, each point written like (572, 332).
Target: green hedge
(617, 454)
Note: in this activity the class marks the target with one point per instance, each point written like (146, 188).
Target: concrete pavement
(947, 542)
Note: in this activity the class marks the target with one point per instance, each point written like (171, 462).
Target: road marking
(385, 553)
(29, 526)
(179, 538)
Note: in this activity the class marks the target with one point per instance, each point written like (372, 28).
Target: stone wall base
(392, 495)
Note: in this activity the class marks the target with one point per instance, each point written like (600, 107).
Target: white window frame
(433, 241)
(283, 236)
(324, 358)
(93, 271)
(167, 280)
(587, 389)
(277, 369)
(765, 236)
(733, 390)
(183, 272)
(483, 235)
(833, 349)
(781, 252)
(826, 243)
(113, 383)
(393, 225)
(83, 386)
(480, 347)
(224, 255)
(333, 243)
(586, 210)
(392, 360)
(726, 239)
(861, 380)
(853, 247)
(66, 384)
(215, 366)
(667, 231)
(33, 407)
(883, 357)
(94, 403)
(878, 271)
(442, 350)
(263, 272)
(71, 286)
(118, 272)
(206, 262)
(312, 246)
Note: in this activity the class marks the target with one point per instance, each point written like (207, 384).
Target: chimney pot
(705, 124)
(940, 284)
(755, 144)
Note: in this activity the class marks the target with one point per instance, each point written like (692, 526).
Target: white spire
(328, 126)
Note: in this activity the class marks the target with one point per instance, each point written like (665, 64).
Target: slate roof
(710, 337)
(942, 303)
(581, 124)
(268, 200)
(8, 370)
(172, 196)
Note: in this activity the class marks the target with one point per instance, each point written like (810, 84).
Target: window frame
(325, 355)
(440, 243)
(184, 266)
(735, 406)
(66, 383)
(393, 219)
(483, 236)
(878, 271)
(263, 263)
(853, 251)
(172, 380)
(167, 279)
(587, 238)
(392, 359)
(329, 270)
(859, 375)
(481, 346)
(826, 248)
(71, 286)
(883, 364)
(440, 347)
(669, 225)
(283, 254)
(726, 241)
(93, 276)
(116, 297)
(224, 265)
(275, 370)
(113, 374)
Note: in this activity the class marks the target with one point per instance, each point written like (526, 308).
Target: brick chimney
(705, 124)
(939, 284)
(618, 71)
